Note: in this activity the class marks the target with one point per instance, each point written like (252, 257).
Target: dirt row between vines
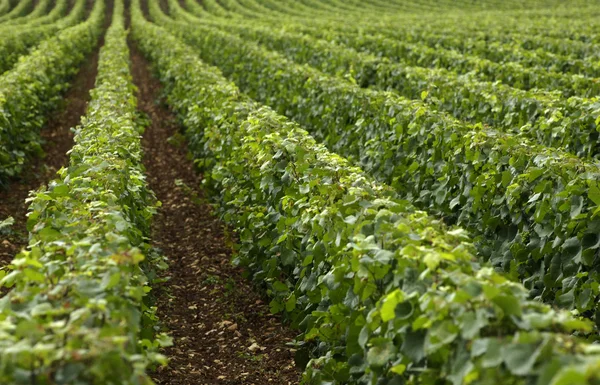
(58, 140)
(223, 331)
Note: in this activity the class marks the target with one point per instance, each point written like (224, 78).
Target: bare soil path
(222, 329)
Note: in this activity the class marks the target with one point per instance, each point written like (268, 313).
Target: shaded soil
(222, 329)
(58, 140)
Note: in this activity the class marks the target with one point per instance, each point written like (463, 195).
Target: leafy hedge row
(232, 6)
(257, 7)
(4, 7)
(526, 31)
(37, 18)
(459, 34)
(546, 32)
(465, 40)
(288, 9)
(33, 87)
(15, 42)
(501, 52)
(40, 10)
(534, 209)
(417, 54)
(507, 52)
(542, 22)
(75, 312)
(548, 22)
(21, 9)
(212, 8)
(546, 117)
(549, 118)
(548, 59)
(325, 7)
(375, 13)
(383, 293)
(230, 9)
(333, 10)
(418, 16)
(304, 10)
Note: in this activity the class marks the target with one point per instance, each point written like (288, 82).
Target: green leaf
(413, 167)
(282, 238)
(594, 194)
(48, 234)
(381, 354)
(576, 205)
(7, 223)
(461, 368)
(304, 189)
(288, 257)
(276, 306)
(60, 190)
(363, 336)
(413, 345)
(9, 279)
(471, 324)
(290, 304)
(34, 275)
(280, 286)
(534, 173)
(506, 178)
(570, 376)
(571, 249)
(509, 304)
(440, 335)
(404, 310)
(389, 305)
(520, 358)
(111, 280)
(398, 369)
(492, 356)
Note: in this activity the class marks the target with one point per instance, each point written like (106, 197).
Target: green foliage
(21, 9)
(33, 87)
(293, 39)
(37, 13)
(6, 224)
(16, 41)
(549, 118)
(4, 7)
(382, 292)
(533, 209)
(546, 117)
(75, 310)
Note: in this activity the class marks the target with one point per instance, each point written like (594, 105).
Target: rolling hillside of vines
(328, 192)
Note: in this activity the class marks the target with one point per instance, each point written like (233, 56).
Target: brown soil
(222, 329)
(58, 140)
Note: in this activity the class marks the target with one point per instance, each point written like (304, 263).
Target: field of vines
(284, 192)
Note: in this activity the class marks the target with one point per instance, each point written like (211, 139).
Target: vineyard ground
(223, 330)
